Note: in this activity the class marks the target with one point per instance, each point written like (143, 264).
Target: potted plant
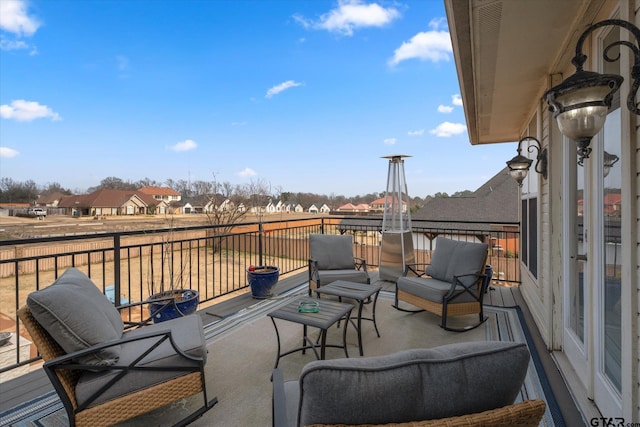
(172, 300)
(173, 303)
(262, 279)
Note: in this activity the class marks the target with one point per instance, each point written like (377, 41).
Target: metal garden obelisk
(396, 248)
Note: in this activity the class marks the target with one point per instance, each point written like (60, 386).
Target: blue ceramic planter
(262, 280)
(185, 301)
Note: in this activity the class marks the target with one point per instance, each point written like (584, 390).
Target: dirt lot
(24, 228)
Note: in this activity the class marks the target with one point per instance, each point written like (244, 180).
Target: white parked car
(39, 212)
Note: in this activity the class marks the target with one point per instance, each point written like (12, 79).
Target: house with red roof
(161, 193)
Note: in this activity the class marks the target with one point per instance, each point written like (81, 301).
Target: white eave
(505, 52)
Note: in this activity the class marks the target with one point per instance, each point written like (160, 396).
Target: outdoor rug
(242, 350)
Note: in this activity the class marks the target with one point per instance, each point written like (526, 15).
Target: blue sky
(305, 95)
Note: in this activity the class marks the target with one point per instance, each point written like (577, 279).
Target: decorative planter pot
(183, 302)
(262, 279)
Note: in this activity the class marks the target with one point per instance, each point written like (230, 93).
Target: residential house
(270, 207)
(49, 200)
(191, 205)
(293, 207)
(349, 208)
(319, 208)
(219, 203)
(108, 202)
(583, 293)
(494, 202)
(378, 204)
(161, 193)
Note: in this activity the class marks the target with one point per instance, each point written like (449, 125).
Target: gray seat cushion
(332, 252)
(411, 385)
(327, 276)
(188, 335)
(77, 315)
(430, 289)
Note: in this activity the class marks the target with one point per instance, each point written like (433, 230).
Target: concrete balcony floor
(242, 351)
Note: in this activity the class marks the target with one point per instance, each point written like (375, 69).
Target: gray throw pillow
(411, 385)
(77, 316)
(440, 259)
(467, 258)
(332, 252)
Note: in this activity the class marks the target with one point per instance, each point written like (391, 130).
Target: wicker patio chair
(332, 259)
(453, 284)
(112, 381)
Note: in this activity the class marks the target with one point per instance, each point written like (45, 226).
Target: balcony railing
(129, 266)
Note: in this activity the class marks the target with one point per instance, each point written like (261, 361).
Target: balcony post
(116, 270)
(260, 234)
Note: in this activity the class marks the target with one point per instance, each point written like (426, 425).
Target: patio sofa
(472, 383)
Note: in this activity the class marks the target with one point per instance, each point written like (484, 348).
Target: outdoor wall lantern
(609, 161)
(581, 102)
(519, 165)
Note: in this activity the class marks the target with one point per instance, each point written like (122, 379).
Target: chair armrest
(416, 269)
(66, 365)
(466, 288)
(278, 404)
(66, 361)
(360, 263)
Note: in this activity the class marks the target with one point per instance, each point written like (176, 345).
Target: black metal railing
(130, 266)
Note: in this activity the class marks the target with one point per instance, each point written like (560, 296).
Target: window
(529, 208)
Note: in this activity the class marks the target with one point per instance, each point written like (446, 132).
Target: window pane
(533, 237)
(524, 234)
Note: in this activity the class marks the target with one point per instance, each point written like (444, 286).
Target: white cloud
(456, 100)
(447, 129)
(351, 15)
(445, 109)
(281, 87)
(433, 45)
(419, 132)
(15, 19)
(185, 145)
(26, 111)
(390, 141)
(7, 153)
(12, 44)
(247, 172)
(239, 123)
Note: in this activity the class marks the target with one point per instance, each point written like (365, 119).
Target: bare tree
(228, 204)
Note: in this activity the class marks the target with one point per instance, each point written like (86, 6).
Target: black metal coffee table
(328, 314)
(356, 291)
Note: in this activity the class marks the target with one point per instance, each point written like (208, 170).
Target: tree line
(13, 191)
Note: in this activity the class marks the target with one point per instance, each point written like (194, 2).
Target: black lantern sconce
(519, 165)
(609, 161)
(580, 103)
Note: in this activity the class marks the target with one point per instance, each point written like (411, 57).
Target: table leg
(360, 304)
(323, 343)
(278, 338)
(375, 324)
(344, 334)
